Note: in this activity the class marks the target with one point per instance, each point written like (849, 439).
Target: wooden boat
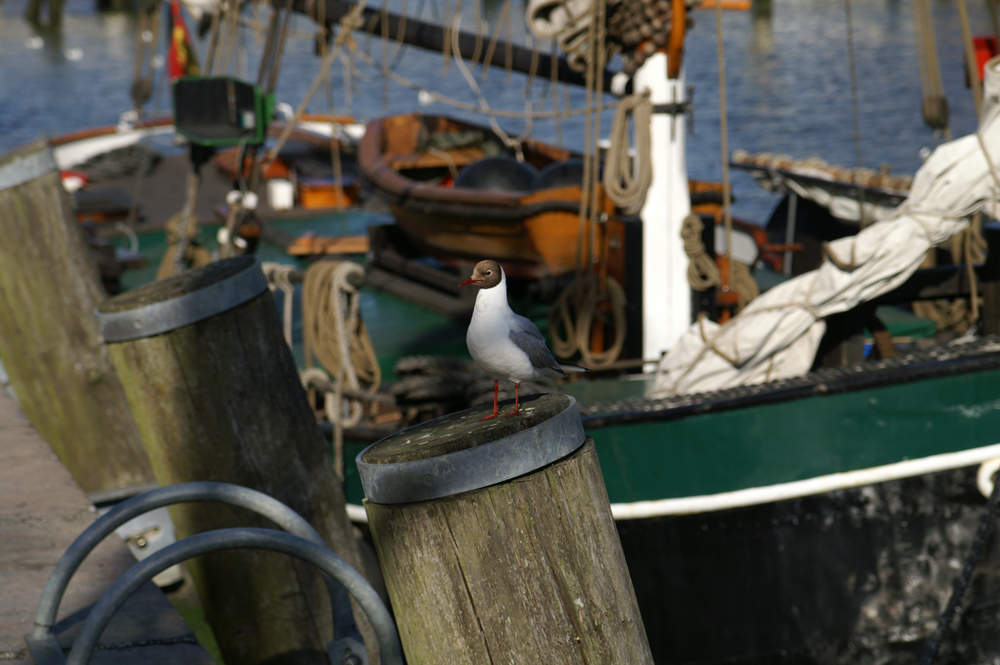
(124, 180)
(473, 199)
(459, 195)
(116, 159)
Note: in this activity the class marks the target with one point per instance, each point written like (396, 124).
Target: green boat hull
(682, 453)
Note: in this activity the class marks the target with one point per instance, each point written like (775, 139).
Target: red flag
(181, 59)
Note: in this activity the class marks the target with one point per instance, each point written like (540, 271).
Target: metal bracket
(149, 533)
(45, 649)
(680, 108)
(673, 108)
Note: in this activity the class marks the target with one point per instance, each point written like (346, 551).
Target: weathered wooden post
(49, 342)
(497, 542)
(216, 396)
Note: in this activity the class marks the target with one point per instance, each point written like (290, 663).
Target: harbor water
(789, 81)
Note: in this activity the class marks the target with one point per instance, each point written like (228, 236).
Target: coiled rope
(572, 317)
(333, 333)
(704, 274)
(627, 180)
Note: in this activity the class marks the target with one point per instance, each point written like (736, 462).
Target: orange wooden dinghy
(460, 195)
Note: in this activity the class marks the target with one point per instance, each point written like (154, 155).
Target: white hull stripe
(755, 496)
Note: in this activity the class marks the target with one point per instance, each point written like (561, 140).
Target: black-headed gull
(507, 346)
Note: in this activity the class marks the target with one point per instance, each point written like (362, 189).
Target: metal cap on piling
(458, 453)
(181, 300)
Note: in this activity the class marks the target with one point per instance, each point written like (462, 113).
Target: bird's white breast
(488, 339)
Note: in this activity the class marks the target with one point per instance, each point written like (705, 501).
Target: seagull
(507, 346)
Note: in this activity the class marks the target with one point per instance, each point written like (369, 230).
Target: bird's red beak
(467, 282)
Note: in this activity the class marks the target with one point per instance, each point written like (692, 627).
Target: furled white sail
(776, 335)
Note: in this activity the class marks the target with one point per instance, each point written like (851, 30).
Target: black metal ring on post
(223, 286)
(492, 462)
(390, 648)
(258, 502)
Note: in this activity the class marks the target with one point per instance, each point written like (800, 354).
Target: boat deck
(41, 511)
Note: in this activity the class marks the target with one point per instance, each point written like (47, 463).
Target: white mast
(666, 294)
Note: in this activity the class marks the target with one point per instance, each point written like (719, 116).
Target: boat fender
(561, 174)
(223, 237)
(249, 199)
(501, 173)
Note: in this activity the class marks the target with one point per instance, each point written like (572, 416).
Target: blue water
(789, 85)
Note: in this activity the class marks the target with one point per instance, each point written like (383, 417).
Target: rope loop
(702, 271)
(575, 312)
(626, 180)
(279, 279)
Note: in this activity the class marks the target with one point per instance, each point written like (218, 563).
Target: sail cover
(834, 188)
(777, 334)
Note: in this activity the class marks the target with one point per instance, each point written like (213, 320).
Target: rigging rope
(343, 39)
(182, 229)
(474, 108)
(512, 143)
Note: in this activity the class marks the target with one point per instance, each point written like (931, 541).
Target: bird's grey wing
(526, 335)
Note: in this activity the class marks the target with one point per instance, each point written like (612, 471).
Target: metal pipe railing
(344, 625)
(319, 555)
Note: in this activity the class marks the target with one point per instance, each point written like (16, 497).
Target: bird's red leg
(496, 390)
(517, 409)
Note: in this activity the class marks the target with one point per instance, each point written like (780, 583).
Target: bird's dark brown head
(486, 275)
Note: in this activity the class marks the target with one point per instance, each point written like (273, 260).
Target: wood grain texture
(528, 571)
(221, 400)
(49, 339)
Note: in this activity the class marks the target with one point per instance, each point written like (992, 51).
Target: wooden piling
(497, 543)
(216, 396)
(49, 342)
